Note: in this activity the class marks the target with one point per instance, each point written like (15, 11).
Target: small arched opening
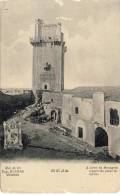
(45, 86)
(101, 137)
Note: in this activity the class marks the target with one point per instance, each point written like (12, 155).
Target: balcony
(54, 41)
(35, 41)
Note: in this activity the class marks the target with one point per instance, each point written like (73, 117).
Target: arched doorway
(101, 137)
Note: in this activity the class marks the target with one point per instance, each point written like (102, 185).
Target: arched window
(114, 117)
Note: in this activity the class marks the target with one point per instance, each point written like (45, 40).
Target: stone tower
(48, 58)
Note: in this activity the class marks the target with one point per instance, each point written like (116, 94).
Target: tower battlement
(46, 32)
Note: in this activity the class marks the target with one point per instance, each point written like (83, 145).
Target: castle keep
(48, 61)
(92, 114)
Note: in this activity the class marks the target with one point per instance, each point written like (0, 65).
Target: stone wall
(85, 108)
(66, 110)
(91, 115)
(112, 130)
(83, 119)
(98, 107)
(55, 96)
(48, 48)
(47, 31)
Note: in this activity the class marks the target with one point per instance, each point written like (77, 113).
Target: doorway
(80, 132)
(101, 137)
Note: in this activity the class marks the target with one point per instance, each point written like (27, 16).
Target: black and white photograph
(60, 80)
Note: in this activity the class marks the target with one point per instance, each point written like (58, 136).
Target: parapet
(47, 32)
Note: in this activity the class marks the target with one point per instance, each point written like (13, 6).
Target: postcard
(59, 96)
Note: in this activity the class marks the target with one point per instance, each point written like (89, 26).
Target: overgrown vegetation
(9, 104)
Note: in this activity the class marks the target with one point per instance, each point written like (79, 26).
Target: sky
(92, 35)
